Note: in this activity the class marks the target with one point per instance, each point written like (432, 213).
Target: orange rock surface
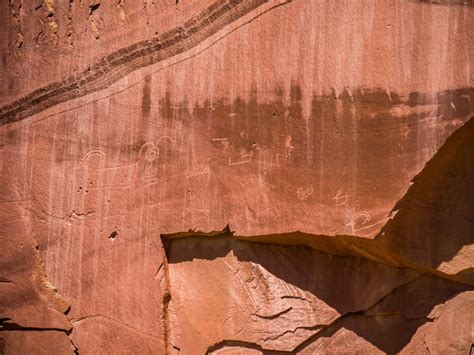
(236, 176)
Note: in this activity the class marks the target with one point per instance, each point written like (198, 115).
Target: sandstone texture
(236, 177)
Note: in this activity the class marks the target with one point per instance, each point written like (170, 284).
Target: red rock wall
(236, 176)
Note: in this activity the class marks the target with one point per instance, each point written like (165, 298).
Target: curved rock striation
(117, 65)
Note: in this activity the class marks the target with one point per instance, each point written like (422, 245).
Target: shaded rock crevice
(7, 324)
(326, 331)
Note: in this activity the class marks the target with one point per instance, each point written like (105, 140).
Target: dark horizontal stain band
(116, 65)
(446, 2)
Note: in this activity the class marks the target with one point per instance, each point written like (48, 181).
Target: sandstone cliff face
(236, 176)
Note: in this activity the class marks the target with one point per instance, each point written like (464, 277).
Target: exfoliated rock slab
(381, 335)
(272, 296)
(400, 322)
(450, 332)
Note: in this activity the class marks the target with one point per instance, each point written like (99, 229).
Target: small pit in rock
(113, 235)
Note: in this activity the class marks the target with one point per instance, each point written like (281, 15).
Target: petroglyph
(149, 153)
(259, 216)
(244, 159)
(223, 142)
(197, 195)
(118, 187)
(94, 159)
(288, 147)
(278, 160)
(405, 130)
(359, 220)
(304, 193)
(148, 158)
(341, 198)
(199, 169)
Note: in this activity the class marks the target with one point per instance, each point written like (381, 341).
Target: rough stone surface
(236, 176)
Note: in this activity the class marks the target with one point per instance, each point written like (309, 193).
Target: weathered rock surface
(236, 176)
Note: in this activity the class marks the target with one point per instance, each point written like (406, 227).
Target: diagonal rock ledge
(339, 245)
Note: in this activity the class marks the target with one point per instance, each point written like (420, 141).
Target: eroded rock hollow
(236, 177)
